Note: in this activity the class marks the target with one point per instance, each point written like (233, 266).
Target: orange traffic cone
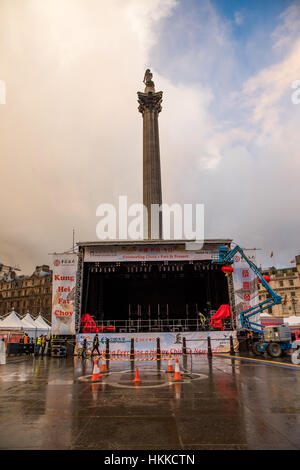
(170, 367)
(103, 368)
(96, 372)
(177, 375)
(136, 379)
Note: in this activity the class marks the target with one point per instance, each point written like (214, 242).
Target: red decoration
(227, 270)
(222, 312)
(87, 324)
(266, 278)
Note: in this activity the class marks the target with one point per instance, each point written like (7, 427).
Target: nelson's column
(150, 106)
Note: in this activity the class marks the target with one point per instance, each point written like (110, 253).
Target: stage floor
(221, 403)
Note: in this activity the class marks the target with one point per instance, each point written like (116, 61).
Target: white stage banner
(170, 343)
(145, 253)
(63, 294)
(245, 285)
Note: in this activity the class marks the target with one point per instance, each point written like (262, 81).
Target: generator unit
(276, 333)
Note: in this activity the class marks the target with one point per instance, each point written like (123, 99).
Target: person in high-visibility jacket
(38, 345)
(26, 341)
(95, 345)
(43, 344)
(202, 319)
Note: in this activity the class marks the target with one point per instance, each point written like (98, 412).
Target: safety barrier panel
(104, 358)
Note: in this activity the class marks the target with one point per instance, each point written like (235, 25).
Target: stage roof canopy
(213, 241)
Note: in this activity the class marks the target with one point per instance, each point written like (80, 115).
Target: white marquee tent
(11, 322)
(41, 324)
(27, 324)
(29, 320)
(292, 321)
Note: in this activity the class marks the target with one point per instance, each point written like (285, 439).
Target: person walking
(31, 347)
(95, 346)
(2, 351)
(21, 345)
(47, 345)
(38, 346)
(26, 344)
(84, 349)
(202, 319)
(43, 344)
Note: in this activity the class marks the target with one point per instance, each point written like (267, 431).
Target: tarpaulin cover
(87, 324)
(222, 312)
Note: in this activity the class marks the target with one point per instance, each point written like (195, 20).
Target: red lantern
(266, 278)
(227, 270)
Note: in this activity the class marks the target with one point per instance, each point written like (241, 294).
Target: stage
(150, 286)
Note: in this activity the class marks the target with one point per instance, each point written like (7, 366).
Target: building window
(291, 282)
(281, 283)
(293, 294)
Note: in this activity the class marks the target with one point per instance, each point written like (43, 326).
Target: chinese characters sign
(245, 285)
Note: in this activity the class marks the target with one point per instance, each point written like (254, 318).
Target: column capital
(150, 101)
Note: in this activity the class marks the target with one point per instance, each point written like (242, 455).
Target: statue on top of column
(148, 80)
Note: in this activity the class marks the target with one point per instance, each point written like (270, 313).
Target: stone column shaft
(150, 106)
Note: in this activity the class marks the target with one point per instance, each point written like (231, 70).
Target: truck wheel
(296, 357)
(274, 350)
(255, 350)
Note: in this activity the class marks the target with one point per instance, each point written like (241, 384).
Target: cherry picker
(275, 340)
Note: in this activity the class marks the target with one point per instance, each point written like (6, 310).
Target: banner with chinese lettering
(245, 285)
(63, 294)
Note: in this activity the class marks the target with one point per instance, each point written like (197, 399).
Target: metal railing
(153, 325)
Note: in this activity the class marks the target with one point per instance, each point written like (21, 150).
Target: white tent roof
(12, 322)
(41, 324)
(28, 318)
(265, 315)
(27, 325)
(292, 320)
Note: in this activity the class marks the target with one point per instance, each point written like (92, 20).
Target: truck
(274, 340)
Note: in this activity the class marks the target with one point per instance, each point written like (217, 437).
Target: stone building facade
(24, 294)
(286, 283)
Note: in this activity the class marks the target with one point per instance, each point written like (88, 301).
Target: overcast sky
(71, 134)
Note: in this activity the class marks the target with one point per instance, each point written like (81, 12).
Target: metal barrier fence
(132, 353)
(152, 325)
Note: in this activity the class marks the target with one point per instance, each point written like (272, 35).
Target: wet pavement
(221, 403)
